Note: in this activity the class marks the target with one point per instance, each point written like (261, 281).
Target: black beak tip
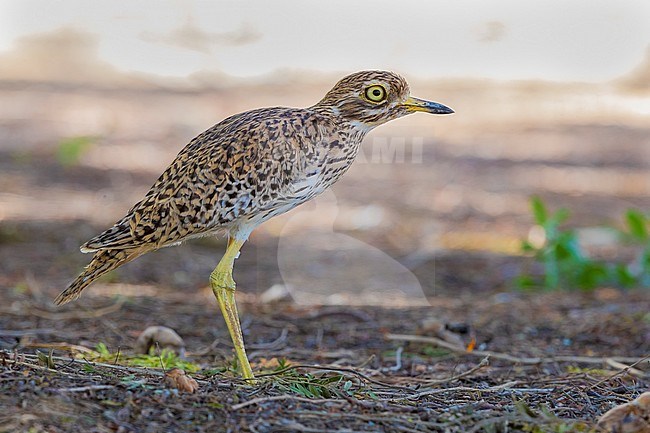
(437, 108)
(443, 109)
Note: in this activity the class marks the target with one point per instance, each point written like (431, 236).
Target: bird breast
(308, 165)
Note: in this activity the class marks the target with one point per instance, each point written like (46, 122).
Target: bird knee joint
(220, 280)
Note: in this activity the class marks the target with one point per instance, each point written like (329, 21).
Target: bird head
(371, 98)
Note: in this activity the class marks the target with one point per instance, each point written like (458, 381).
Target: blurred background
(96, 99)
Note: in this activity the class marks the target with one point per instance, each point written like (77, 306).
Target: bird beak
(415, 104)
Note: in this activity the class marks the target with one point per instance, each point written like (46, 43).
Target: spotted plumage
(251, 167)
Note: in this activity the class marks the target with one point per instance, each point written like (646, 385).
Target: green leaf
(591, 275)
(527, 247)
(560, 216)
(526, 282)
(624, 276)
(568, 247)
(637, 224)
(70, 150)
(539, 210)
(46, 359)
(523, 408)
(102, 349)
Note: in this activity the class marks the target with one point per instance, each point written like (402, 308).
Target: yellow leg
(223, 287)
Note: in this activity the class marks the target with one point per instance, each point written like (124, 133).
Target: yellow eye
(376, 93)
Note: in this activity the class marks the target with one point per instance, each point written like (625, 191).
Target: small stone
(632, 417)
(435, 328)
(166, 338)
(275, 293)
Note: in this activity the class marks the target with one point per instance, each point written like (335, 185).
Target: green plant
(46, 359)
(565, 264)
(70, 150)
(102, 349)
(326, 384)
(166, 359)
(131, 382)
(542, 420)
(638, 271)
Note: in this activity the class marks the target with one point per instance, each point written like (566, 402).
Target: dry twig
(505, 357)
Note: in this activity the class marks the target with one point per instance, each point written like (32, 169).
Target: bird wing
(232, 170)
(146, 222)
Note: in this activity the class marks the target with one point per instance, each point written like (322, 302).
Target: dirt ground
(398, 312)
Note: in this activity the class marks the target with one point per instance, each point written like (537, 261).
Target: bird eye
(376, 93)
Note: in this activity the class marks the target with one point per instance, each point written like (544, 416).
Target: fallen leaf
(270, 363)
(176, 378)
(471, 346)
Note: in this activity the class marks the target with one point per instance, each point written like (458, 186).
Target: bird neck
(332, 114)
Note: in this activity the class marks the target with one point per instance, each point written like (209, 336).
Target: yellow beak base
(416, 104)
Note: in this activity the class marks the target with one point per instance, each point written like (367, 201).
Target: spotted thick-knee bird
(245, 170)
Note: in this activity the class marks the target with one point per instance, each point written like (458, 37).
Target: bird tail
(103, 261)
